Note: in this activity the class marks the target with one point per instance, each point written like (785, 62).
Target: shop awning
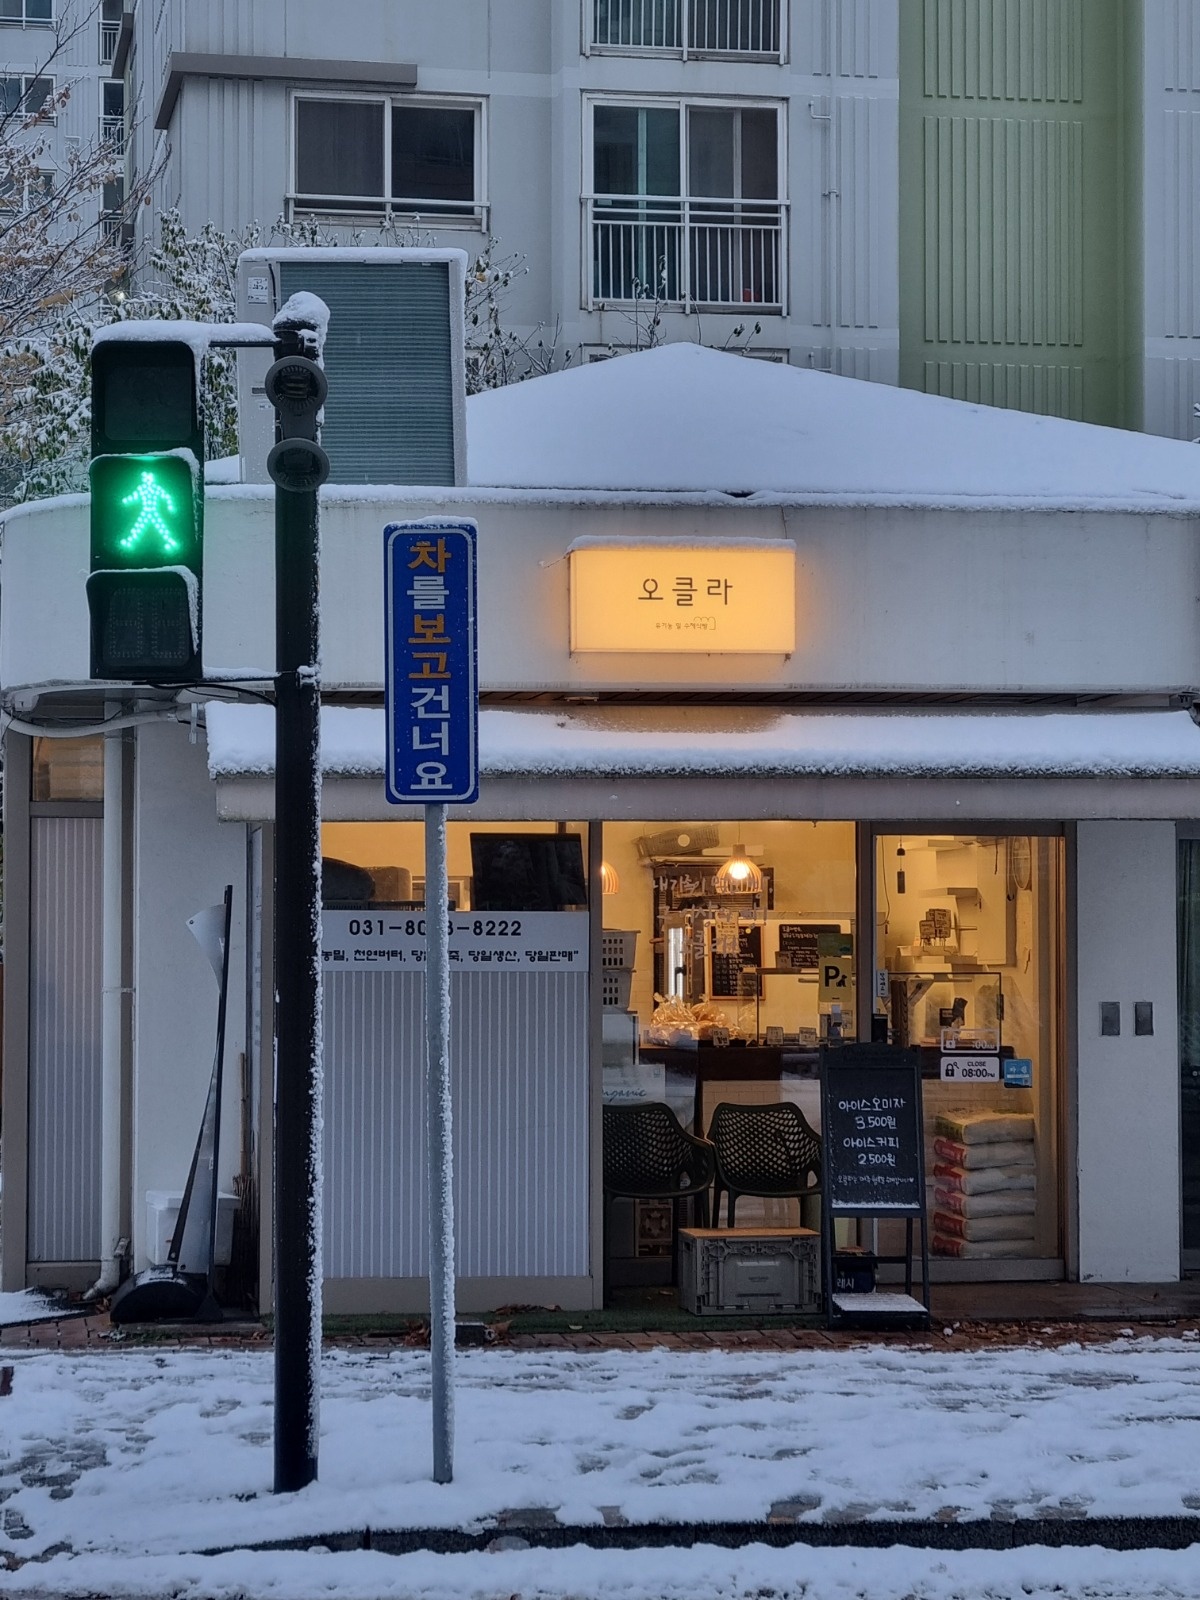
(614, 762)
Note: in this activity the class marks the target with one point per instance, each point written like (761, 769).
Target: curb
(543, 1533)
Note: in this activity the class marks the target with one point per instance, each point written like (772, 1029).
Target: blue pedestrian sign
(431, 677)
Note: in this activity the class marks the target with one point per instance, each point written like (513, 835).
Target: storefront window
(492, 866)
(968, 951)
(730, 955)
(68, 769)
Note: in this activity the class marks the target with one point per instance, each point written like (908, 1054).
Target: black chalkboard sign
(871, 1131)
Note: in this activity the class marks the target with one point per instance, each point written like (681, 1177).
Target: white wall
(1128, 1087)
(1088, 603)
(183, 860)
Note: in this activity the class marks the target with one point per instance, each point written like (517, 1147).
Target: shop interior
(732, 952)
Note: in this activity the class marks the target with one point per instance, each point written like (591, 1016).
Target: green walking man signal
(149, 495)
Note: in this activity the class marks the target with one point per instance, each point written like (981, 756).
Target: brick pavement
(96, 1333)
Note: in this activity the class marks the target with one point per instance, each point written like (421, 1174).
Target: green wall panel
(1012, 228)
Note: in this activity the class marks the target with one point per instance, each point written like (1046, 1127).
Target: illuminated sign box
(672, 598)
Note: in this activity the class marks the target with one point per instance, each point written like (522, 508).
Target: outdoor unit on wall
(393, 357)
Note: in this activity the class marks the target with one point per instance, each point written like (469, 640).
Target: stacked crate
(618, 950)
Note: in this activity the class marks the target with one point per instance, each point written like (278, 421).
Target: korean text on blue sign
(431, 681)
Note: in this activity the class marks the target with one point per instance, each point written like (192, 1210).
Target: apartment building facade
(990, 200)
(47, 46)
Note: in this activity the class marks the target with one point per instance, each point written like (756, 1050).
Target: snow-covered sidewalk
(123, 1469)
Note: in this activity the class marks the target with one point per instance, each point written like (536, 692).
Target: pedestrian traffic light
(147, 515)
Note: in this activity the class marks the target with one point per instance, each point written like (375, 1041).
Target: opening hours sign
(431, 676)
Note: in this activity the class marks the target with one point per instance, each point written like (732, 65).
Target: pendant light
(739, 875)
(610, 883)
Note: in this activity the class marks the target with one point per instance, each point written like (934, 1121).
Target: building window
(27, 95)
(686, 205)
(110, 30)
(16, 197)
(68, 769)
(112, 112)
(31, 13)
(688, 27)
(392, 158)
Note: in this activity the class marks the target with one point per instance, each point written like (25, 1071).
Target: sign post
(296, 386)
(432, 697)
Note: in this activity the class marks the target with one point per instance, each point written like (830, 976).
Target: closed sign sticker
(970, 1069)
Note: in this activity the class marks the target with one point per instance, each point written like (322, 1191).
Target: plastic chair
(649, 1156)
(768, 1151)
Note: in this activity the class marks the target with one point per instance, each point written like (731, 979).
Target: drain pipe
(112, 1010)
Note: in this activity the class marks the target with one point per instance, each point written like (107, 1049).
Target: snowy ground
(118, 1470)
(27, 1305)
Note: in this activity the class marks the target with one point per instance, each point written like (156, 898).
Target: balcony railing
(112, 131)
(109, 32)
(689, 27)
(717, 254)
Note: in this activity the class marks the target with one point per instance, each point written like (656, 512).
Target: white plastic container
(162, 1213)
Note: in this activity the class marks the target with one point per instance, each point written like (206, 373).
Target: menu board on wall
(800, 944)
(871, 1131)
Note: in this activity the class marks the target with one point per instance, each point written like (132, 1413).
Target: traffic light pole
(298, 1065)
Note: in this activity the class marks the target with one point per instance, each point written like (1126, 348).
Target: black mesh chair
(649, 1156)
(768, 1151)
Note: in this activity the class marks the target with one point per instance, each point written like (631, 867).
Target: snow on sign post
(432, 695)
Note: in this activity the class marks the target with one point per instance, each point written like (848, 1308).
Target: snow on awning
(701, 742)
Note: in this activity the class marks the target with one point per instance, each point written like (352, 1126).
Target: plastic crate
(614, 988)
(771, 1271)
(618, 947)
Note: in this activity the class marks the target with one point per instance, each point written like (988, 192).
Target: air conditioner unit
(394, 357)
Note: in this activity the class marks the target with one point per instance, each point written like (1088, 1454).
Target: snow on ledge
(659, 743)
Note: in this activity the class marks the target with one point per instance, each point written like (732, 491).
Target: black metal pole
(297, 986)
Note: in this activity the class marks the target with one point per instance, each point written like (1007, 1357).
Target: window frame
(589, 46)
(435, 214)
(682, 103)
(25, 79)
(26, 21)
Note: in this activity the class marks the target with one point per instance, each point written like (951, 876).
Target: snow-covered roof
(615, 742)
(686, 419)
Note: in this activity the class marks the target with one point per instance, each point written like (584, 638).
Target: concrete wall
(183, 860)
(889, 599)
(1128, 1087)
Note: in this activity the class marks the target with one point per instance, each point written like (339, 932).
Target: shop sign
(970, 1069)
(671, 598)
(1018, 1073)
(836, 980)
(480, 941)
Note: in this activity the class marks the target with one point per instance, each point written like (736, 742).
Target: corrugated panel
(1175, 26)
(1172, 391)
(390, 413)
(1004, 235)
(64, 1039)
(845, 38)
(1179, 172)
(1004, 49)
(519, 1060)
(865, 137)
(1051, 391)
